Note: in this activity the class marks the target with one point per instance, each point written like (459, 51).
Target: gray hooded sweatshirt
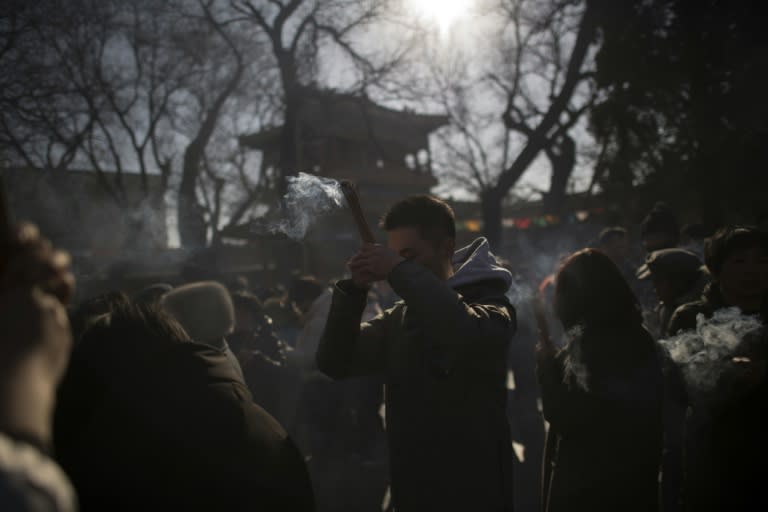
(442, 351)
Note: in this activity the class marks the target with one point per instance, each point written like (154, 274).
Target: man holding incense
(442, 351)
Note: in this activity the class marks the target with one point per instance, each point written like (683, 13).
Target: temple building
(384, 151)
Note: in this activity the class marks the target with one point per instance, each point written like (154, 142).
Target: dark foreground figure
(602, 395)
(726, 456)
(149, 420)
(442, 350)
(35, 340)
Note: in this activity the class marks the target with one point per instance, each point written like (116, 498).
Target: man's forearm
(422, 291)
(437, 304)
(336, 351)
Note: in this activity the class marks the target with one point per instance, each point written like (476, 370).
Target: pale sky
(458, 26)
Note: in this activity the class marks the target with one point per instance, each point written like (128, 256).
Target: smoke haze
(705, 353)
(308, 198)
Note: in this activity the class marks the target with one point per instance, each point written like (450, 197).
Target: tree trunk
(288, 136)
(538, 139)
(492, 228)
(563, 160)
(191, 222)
(192, 226)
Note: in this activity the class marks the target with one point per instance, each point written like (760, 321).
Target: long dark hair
(602, 315)
(591, 292)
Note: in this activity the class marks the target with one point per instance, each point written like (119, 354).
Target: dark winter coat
(666, 311)
(726, 456)
(179, 433)
(442, 351)
(684, 317)
(605, 444)
(739, 442)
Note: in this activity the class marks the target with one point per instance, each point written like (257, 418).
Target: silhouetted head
(120, 347)
(601, 314)
(674, 273)
(659, 230)
(250, 322)
(303, 291)
(614, 242)
(591, 292)
(128, 328)
(248, 311)
(84, 314)
(737, 257)
(422, 229)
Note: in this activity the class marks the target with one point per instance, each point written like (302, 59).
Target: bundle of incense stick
(348, 189)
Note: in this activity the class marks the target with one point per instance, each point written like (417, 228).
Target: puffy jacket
(180, 432)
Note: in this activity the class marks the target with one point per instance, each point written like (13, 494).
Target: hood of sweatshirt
(476, 263)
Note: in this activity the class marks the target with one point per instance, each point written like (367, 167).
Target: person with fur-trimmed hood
(442, 352)
(147, 419)
(206, 313)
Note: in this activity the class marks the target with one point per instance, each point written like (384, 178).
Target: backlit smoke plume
(520, 293)
(308, 198)
(575, 366)
(705, 353)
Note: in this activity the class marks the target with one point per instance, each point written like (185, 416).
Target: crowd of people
(630, 427)
(410, 385)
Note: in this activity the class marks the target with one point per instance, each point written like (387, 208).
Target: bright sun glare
(445, 13)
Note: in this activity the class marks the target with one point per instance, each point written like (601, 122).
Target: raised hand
(34, 327)
(378, 260)
(31, 261)
(35, 284)
(35, 338)
(358, 267)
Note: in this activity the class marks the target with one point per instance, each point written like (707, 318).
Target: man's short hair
(609, 235)
(725, 241)
(433, 218)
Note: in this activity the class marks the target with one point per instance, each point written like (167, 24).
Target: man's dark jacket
(442, 351)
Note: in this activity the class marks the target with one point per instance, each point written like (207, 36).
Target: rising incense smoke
(308, 198)
(705, 353)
